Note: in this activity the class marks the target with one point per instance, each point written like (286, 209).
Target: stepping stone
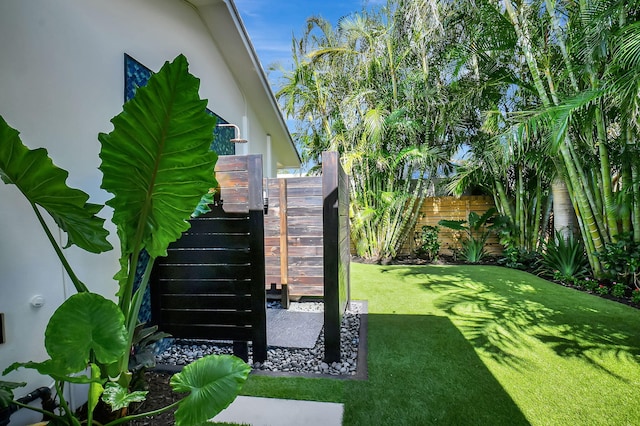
(281, 412)
(289, 329)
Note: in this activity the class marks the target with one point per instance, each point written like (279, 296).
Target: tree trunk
(564, 217)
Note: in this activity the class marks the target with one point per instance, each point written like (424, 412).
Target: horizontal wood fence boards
(211, 284)
(435, 209)
(307, 242)
(295, 234)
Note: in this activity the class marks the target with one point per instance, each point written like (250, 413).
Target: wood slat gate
(211, 285)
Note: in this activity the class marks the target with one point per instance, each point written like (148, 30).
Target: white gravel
(310, 361)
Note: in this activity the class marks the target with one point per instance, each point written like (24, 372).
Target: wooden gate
(211, 284)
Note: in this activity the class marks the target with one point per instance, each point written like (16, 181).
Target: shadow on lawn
(502, 318)
(423, 371)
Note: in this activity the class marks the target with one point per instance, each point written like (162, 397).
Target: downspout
(269, 157)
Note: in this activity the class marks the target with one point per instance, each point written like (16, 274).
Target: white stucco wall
(61, 81)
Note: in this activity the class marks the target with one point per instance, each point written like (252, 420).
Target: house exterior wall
(61, 81)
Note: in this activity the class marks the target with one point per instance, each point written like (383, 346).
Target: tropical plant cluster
(534, 102)
(158, 166)
(428, 242)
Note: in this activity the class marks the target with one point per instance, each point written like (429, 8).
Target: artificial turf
(482, 345)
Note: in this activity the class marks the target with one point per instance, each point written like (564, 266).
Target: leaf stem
(143, 415)
(39, 410)
(134, 309)
(65, 407)
(79, 285)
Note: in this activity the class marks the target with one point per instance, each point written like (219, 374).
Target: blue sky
(271, 23)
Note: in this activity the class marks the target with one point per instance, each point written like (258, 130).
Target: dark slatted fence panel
(211, 284)
(336, 249)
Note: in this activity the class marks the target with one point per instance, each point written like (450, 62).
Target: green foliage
(519, 258)
(212, 383)
(635, 296)
(476, 234)
(28, 169)
(150, 208)
(427, 242)
(6, 392)
(157, 164)
(564, 258)
(143, 353)
(618, 289)
(586, 283)
(359, 89)
(473, 250)
(86, 326)
(119, 397)
(621, 260)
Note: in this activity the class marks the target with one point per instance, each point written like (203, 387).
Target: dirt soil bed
(160, 395)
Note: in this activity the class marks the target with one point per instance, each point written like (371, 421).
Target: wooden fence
(307, 242)
(211, 285)
(435, 209)
(294, 237)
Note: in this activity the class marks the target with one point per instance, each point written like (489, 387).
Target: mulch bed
(160, 395)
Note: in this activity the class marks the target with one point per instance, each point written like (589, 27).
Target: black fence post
(335, 194)
(256, 221)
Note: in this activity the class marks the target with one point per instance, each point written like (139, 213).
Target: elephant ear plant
(157, 164)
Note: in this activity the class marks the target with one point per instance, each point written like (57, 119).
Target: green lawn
(482, 345)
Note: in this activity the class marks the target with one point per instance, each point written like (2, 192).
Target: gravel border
(288, 361)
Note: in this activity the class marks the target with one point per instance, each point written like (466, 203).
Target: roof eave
(225, 23)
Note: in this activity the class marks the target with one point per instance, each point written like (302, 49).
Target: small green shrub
(635, 296)
(428, 244)
(519, 258)
(618, 289)
(588, 284)
(564, 258)
(473, 250)
(602, 289)
(621, 260)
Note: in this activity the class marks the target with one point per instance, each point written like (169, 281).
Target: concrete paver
(256, 411)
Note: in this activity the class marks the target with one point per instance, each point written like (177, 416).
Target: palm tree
(564, 60)
(368, 90)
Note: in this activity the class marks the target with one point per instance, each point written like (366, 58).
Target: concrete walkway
(281, 412)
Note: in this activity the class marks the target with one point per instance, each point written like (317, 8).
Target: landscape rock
(184, 351)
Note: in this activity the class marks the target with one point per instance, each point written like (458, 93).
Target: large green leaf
(456, 225)
(213, 382)
(118, 397)
(44, 184)
(156, 162)
(58, 369)
(6, 392)
(86, 323)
